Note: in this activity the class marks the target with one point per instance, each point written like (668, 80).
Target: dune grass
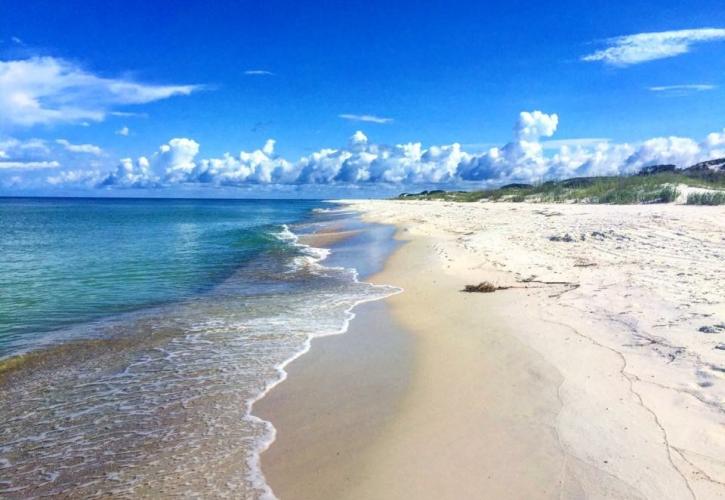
(658, 188)
(706, 198)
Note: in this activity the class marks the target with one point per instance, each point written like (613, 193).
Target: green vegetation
(706, 198)
(654, 188)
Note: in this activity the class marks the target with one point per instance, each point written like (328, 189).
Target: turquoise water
(67, 261)
(151, 327)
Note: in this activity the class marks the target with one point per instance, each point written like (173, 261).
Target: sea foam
(166, 405)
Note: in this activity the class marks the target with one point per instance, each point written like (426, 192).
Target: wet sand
(451, 406)
(337, 398)
(326, 239)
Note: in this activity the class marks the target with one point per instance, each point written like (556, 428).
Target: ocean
(135, 336)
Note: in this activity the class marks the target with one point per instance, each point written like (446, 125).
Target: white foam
(193, 391)
(316, 255)
(311, 256)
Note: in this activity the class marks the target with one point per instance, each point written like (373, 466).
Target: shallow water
(155, 400)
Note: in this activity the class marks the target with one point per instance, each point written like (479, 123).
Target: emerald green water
(67, 261)
(152, 326)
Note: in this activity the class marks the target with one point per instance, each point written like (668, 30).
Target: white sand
(641, 399)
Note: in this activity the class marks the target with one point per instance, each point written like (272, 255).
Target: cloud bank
(47, 90)
(643, 47)
(362, 162)
(532, 155)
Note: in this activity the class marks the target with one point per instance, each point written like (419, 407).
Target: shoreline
(304, 462)
(206, 413)
(318, 243)
(525, 393)
(311, 419)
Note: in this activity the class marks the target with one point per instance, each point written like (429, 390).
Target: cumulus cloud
(176, 163)
(643, 47)
(260, 166)
(176, 159)
(365, 118)
(131, 174)
(522, 158)
(173, 163)
(258, 72)
(80, 148)
(531, 126)
(362, 162)
(46, 90)
(124, 131)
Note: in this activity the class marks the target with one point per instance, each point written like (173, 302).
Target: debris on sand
(712, 328)
(566, 238)
(484, 287)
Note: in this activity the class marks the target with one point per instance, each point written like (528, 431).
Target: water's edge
(323, 253)
(161, 401)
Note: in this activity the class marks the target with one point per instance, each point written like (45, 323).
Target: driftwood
(488, 287)
(484, 287)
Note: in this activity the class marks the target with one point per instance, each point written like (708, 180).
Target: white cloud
(365, 118)
(530, 156)
(124, 131)
(26, 154)
(79, 177)
(520, 159)
(363, 162)
(130, 174)
(171, 164)
(80, 148)
(261, 166)
(29, 147)
(176, 159)
(46, 90)
(27, 165)
(127, 114)
(697, 87)
(258, 72)
(533, 125)
(642, 47)
(176, 163)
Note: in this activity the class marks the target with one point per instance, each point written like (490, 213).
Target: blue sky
(224, 77)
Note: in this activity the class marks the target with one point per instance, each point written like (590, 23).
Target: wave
(313, 257)
(173, 389)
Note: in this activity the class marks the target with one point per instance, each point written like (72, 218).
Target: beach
(362, 250)
(596, 371)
